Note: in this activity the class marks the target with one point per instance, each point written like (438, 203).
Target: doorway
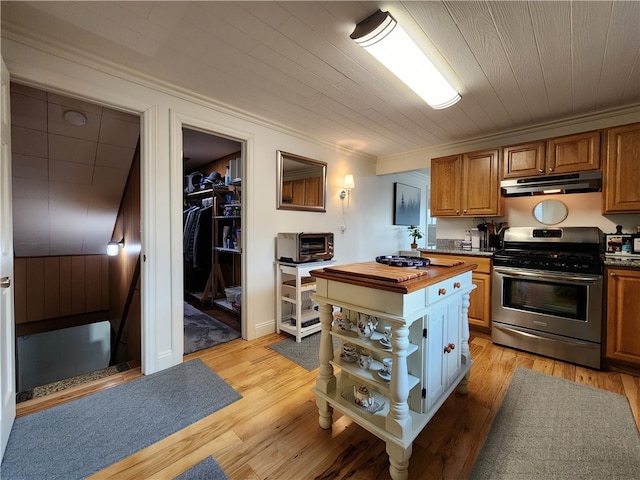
(72, 165)
(212, 238)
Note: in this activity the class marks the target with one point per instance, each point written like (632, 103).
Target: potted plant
(416, 234)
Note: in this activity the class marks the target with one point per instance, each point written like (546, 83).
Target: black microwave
(304, 247)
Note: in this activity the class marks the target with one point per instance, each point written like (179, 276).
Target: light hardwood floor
(273, 432)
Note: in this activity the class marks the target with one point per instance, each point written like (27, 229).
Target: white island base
(429, 347)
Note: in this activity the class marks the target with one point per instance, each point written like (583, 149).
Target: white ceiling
(516, 63)
(293, 64)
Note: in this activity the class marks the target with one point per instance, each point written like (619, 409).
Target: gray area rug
(208, 469)
(203, 331)
(549, 427)
(79, 438)
(306, 353)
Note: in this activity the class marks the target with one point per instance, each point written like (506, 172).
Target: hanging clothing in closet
(197, 243)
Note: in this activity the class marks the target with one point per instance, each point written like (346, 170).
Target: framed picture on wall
(406, 208)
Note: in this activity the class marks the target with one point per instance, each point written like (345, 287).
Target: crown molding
(76, 55)
(421, 158)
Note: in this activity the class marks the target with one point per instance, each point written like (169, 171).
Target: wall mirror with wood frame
(302, 183)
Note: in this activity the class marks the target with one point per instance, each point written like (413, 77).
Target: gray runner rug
(207, 469)
(79, 438)
(549, 427)
(306, 353)
(203, 331)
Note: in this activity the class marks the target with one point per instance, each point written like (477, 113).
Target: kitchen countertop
(475, 252)
(622, 261)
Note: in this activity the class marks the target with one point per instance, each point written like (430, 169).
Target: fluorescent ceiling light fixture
(382, 37)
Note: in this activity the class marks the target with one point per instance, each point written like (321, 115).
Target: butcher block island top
(392, 279)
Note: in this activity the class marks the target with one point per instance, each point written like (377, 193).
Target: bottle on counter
(635, 241)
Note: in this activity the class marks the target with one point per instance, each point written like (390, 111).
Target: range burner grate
(402, 261)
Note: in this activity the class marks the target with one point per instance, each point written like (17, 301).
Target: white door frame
(7, 327)
(177, 121)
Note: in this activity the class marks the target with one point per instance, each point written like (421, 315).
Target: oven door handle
(539, 274)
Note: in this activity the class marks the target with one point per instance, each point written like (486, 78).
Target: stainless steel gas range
(547, 292)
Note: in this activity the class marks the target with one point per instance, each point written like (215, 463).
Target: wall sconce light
(382, 37)
(114, 247)
(349, 184)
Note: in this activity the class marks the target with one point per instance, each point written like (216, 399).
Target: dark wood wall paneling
(60, 286)
(122, 267)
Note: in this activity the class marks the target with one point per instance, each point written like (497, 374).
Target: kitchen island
(426, 310)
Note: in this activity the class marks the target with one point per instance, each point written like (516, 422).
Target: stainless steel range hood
(568, 183)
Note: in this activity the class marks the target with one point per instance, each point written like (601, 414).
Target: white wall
(368, 219)
(584, 211)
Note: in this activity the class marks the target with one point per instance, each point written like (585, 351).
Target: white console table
(291, 294)
(430, 350)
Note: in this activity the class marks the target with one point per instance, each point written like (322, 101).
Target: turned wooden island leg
(326, 380)
(398, 421)
(463, 386)
(398, 461)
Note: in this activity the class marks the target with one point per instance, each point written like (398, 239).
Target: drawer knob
(442, 291)
(456, 285)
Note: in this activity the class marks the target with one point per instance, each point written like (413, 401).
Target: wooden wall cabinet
(480, 299)
(623, 315)
(526, 160)
(573, 153)
(466, 185)
(567, 154)
(621, 177)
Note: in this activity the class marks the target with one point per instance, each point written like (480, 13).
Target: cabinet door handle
(5, 282)
(540, 170)
(457, 212)
(551, 169)
(612, 274)
(465, 212)
(456, 285)
(442, 291)
(449, 348)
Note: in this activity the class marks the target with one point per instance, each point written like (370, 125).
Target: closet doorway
(212, 238)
